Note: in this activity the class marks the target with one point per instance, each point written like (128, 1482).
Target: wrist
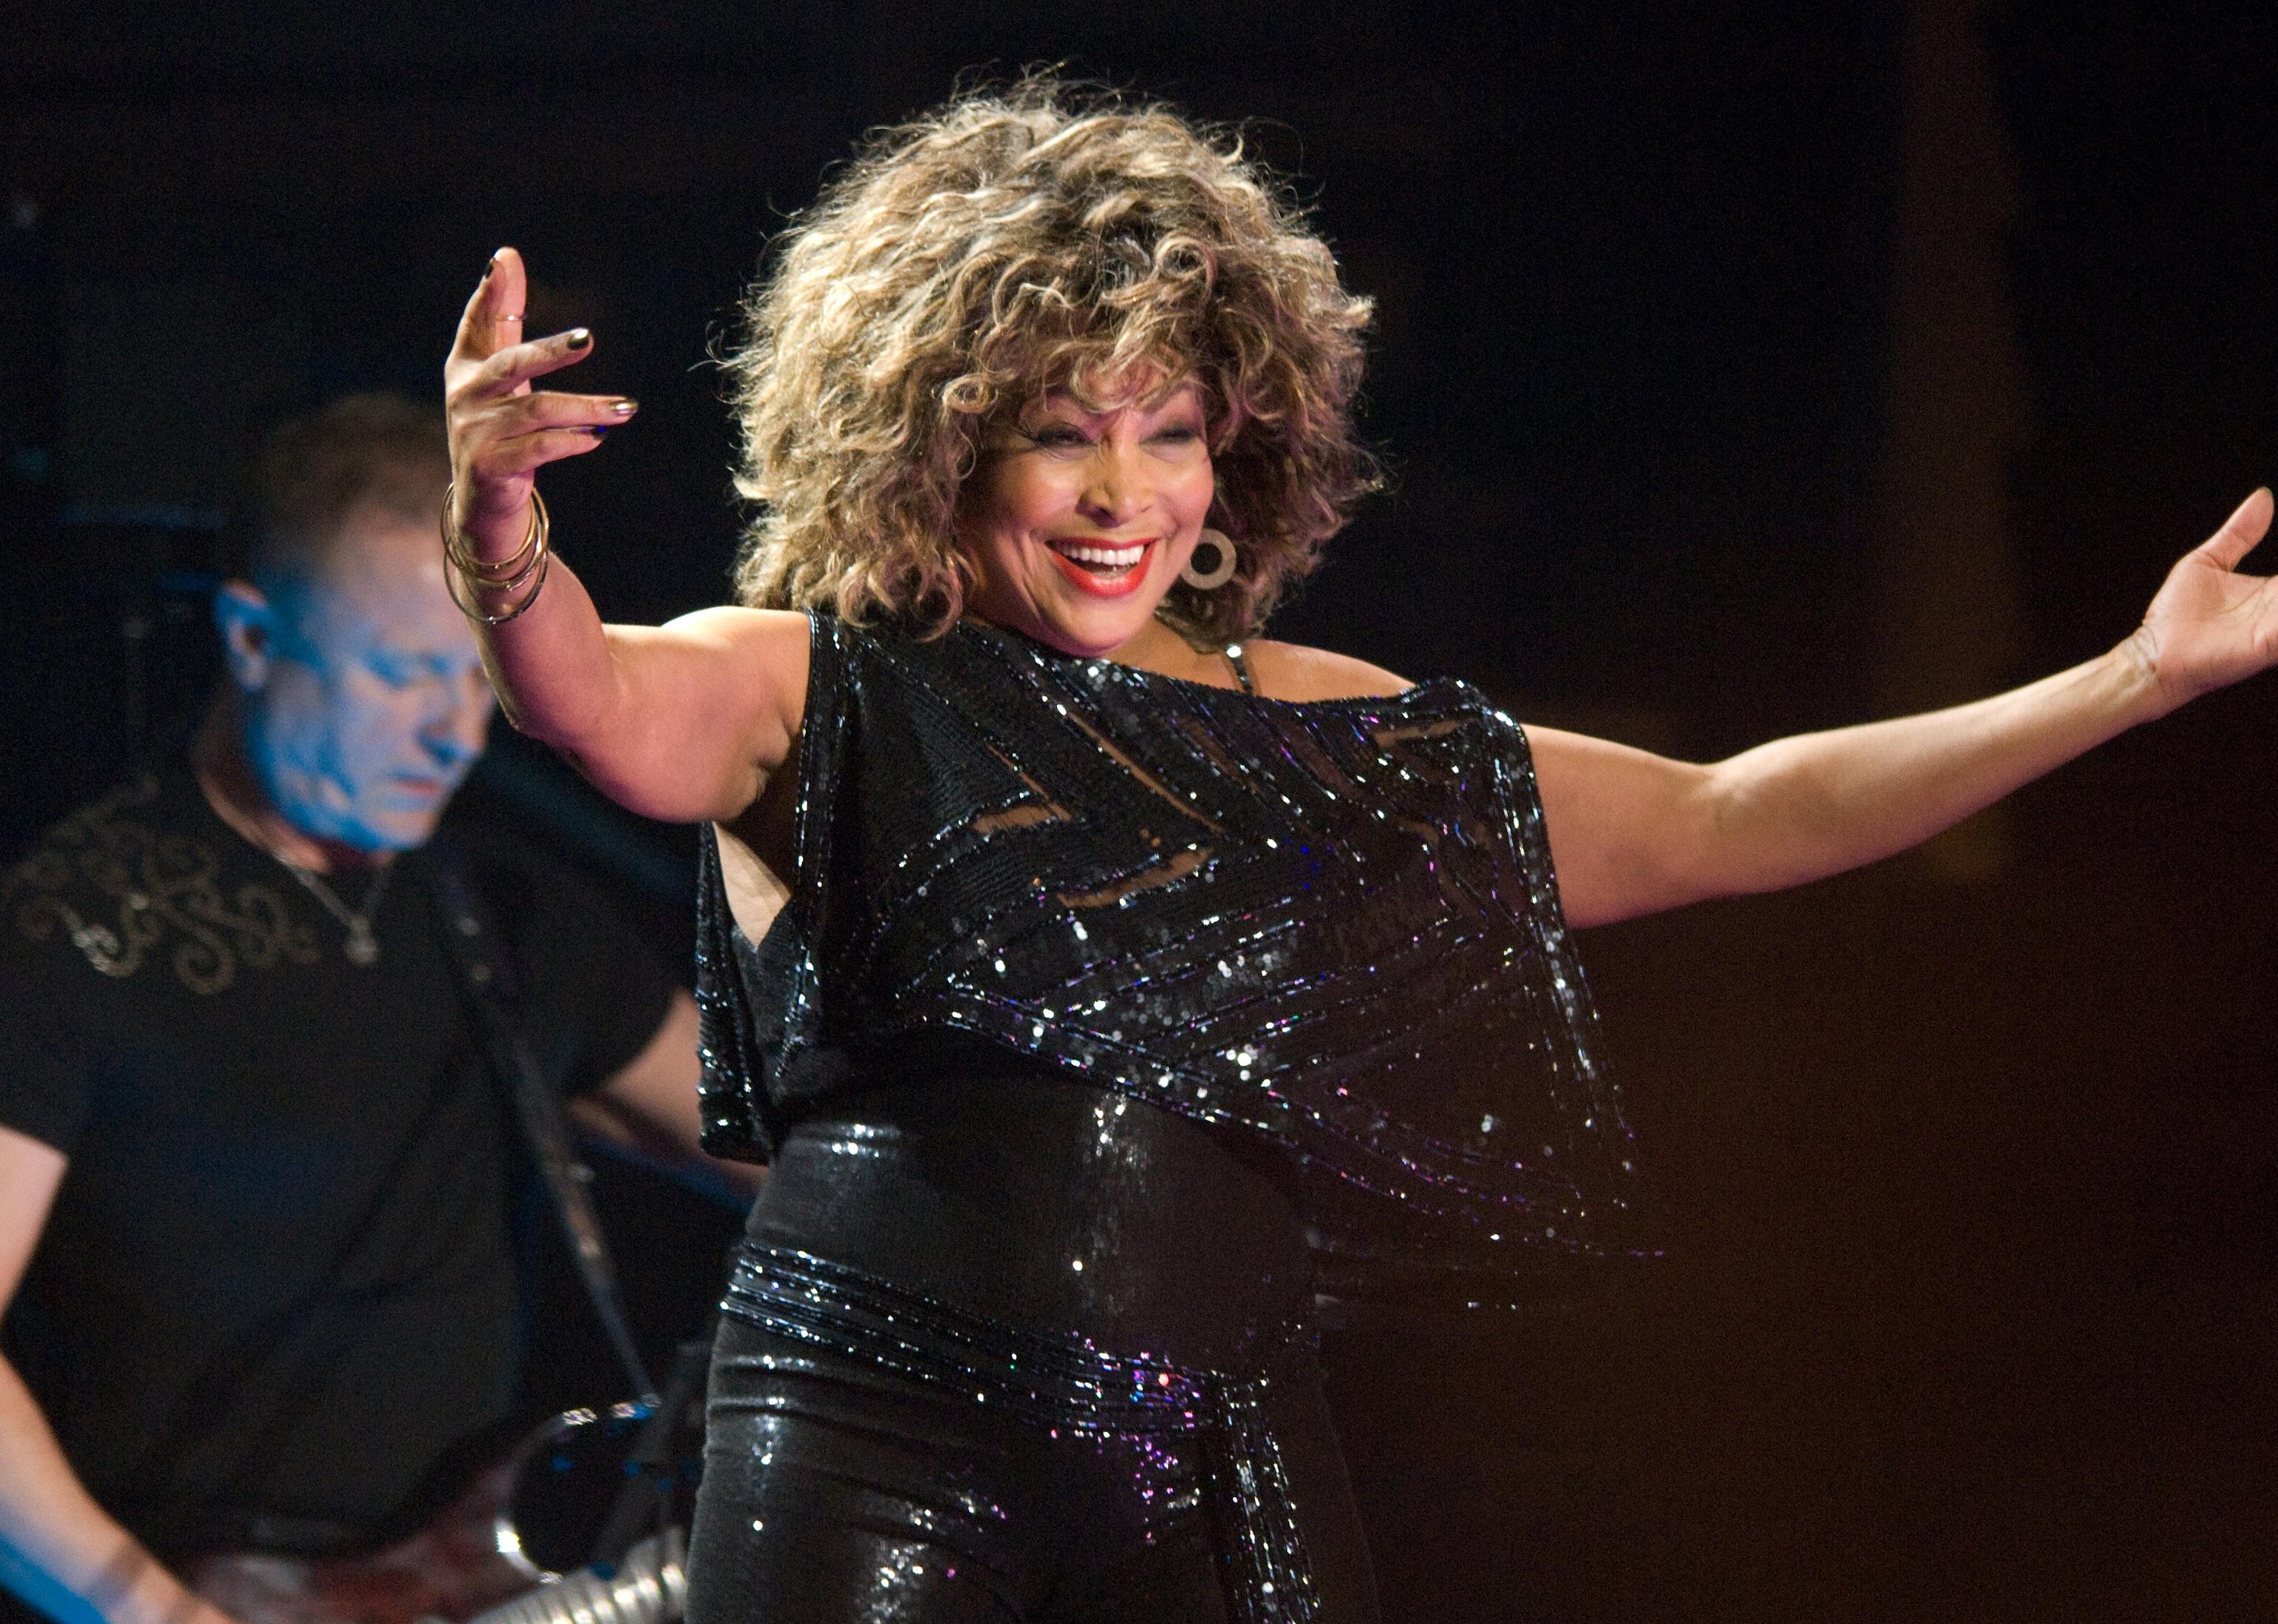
(153, 1597)
(491, 519)
(2133, 667)
(493, 590)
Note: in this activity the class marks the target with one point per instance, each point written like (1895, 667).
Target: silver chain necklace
(362, 947)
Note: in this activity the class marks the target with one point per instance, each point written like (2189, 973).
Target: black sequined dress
(1307, 957)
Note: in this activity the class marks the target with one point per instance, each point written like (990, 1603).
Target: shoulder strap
(1239, 661)
(485, 969)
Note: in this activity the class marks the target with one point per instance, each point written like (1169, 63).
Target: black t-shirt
(280, 1275)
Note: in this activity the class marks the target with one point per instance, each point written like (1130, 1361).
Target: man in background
(258, 1187)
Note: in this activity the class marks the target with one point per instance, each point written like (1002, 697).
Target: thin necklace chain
(362, 947)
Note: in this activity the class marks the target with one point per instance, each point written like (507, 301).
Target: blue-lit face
(370, 705)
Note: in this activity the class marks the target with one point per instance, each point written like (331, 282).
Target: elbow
(1763, 825)
(1708, 854)
(538, 716)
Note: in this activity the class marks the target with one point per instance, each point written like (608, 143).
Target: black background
(1971, 1316)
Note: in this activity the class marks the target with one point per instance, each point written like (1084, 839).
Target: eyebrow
(1192, 397)
(431, 659)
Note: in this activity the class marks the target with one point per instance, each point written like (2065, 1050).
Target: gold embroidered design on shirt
(124, 891)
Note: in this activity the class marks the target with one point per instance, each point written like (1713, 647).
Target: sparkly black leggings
(864, 1462)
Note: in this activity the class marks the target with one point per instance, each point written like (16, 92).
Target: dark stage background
(1745, 369)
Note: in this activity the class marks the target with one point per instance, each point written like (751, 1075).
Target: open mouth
(1104, 568)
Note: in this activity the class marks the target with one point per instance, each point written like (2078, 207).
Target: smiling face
(365, 702)
(1078, 520)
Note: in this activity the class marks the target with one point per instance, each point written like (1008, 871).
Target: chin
(404, 833)
(1094, 628)
(390, 831)
(1087, 643)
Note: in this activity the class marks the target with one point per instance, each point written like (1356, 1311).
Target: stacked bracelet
(523, 571)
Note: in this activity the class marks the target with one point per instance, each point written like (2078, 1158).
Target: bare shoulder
(1293, 671)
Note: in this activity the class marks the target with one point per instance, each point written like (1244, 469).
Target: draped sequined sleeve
(1332, 926)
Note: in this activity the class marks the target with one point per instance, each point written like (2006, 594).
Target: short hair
(374, 447)
(1006, 244)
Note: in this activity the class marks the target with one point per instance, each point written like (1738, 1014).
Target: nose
(1117, 486)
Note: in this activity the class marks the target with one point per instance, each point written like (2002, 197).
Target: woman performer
(1099, 978)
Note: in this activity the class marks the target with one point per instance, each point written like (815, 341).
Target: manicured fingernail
(625, 409)
(578, 338)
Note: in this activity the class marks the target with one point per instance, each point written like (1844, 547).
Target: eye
(395, 671)
(1057, 436)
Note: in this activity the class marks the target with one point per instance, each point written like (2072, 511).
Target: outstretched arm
(681, 722)
(1633, 833)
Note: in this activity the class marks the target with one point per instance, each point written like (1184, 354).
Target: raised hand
(502, 429)
(2210, 625)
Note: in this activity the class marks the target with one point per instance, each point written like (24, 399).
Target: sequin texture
(1062, 1383)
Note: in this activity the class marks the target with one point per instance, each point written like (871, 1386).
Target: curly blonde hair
(1013, 242)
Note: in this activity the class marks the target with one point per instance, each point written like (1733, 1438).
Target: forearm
(680, 723)
(1801, 808)
(649, 1110)
(543, 644)
(1632, 833)
(734, 1183)
(63, 1553)
(551, 664)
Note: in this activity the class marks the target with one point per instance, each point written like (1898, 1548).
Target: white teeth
(1113, 557)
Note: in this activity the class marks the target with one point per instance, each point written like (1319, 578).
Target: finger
(516, 365)
(492, 318)
(2230, 545)
(549, 408)
(527, 452)
(509, 297)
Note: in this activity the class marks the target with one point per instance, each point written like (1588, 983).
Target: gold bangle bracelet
(494, 569)
(455, 547)
(497, 584)
(516, 564)
(466, 575)
(451, 579)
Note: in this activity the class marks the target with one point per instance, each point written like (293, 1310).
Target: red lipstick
(1120, 583)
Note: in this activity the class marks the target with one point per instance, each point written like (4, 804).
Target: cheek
(295, 721)
(1028, 494)
(1012, 504)
(373, 726)
(1195, 492)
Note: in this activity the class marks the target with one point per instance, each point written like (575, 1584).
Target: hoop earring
(1217, 575)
